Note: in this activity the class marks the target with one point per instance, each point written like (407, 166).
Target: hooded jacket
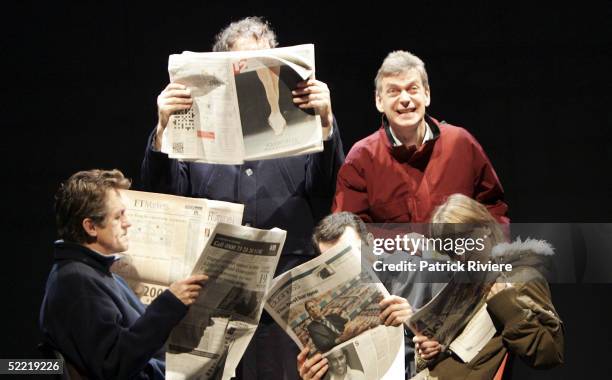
(526, 321)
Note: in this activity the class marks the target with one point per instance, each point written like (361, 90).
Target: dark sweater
(98, 323)
(292, 193)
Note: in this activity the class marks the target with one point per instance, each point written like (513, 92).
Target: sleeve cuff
(167, 303)
(504, 307)
(332, 130)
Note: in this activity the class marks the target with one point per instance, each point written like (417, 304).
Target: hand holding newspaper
(331, 304)
(211, 339)
(242, 106)
(172, 237)
(457, 318)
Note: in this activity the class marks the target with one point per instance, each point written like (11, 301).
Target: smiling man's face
(403, 99)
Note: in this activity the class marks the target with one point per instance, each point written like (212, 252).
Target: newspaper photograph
(210, 341)
(242, 106)
(168, 234)
(332, 302)
(377, 354)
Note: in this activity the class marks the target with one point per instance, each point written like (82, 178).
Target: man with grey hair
(254, 27)
(290, 193)
(421, 160)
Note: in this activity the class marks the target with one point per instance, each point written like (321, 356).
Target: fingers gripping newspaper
(167, 236)
(457, 318)
(209, 342)
(242, 106)
(330, 304)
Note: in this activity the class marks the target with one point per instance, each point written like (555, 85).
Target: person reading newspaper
(88, 313)
(345, 227)
(515, 305)
(291, 193)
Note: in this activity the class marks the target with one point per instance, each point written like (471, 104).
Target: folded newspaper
(330, 304)
(172, 237)
(242, 106)
(457, 318)
(167, 236)
(210, 341)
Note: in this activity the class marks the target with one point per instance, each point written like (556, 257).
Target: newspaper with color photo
(331, 305)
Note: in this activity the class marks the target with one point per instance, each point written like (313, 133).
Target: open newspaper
(167, 236)
(330, 304)
(240, 263)
(457, 318)
(242, 106)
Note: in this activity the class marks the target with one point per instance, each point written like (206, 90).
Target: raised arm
(158, 172)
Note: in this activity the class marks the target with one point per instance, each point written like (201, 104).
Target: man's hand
(313, 368)
(425, 347)
(188, 290)
(175, 97)
(395, 310)
(314, 94)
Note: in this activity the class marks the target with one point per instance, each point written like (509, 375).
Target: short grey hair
(255, 27)
(398, 62)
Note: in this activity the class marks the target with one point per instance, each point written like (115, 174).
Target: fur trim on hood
(540, 247)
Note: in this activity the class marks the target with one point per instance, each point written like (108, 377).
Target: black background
(529, 79)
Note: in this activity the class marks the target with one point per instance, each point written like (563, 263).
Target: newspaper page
(209, 342)
(476, 334)
(167, 236)
(330, 304)
(445, 317)
(243, 107)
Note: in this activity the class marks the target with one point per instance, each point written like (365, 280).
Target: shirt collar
(428, 136)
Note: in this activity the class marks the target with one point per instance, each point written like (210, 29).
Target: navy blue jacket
(98, 323)
(291, 193)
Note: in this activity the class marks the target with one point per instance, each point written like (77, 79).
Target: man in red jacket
(401, 172)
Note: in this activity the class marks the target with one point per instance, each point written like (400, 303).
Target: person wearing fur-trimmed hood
(518, 301)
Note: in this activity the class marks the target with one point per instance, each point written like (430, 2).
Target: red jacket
(382, 183)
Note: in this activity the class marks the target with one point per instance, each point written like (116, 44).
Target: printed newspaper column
(331, 305)
(167, 236)
(210, 130)
(211, 339)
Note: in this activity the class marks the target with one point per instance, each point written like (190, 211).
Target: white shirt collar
(428, 136)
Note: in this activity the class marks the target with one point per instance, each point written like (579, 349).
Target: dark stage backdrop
(530, 80)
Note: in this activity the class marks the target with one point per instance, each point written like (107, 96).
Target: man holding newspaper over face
(291, 193)
(345, 227)
(89, 314)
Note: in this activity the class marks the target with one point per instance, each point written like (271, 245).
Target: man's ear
(90, 227)
(428, 98)
(378, 100)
